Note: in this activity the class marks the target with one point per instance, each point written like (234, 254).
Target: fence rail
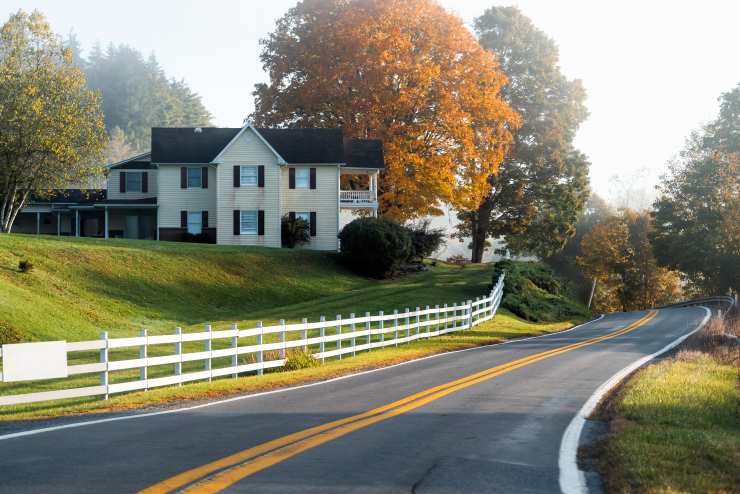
(323, 339)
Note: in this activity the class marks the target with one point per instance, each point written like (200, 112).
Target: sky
(652, 69)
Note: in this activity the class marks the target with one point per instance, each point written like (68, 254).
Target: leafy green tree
(697, 214)
(137, 94)
(51, 125)
(542, 186)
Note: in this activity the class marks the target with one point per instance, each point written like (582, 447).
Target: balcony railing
(358, 197)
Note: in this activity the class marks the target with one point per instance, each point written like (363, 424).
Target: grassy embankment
(79, 286)
(675, 425)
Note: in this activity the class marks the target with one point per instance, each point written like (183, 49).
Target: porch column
(156, 223)
(38, 222)
(59, 223)
(106, 222)
(77, 222)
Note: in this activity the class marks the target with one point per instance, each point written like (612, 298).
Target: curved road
(489, 419)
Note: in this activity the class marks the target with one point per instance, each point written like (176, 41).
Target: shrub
(198, 238)
(293, 232)
(298, 358)
(25, 266)
(458, 259)
(375, 247)
(8, 334)
(425, 241)
(532, 292)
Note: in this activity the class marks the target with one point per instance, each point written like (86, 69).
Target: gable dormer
(132, 179)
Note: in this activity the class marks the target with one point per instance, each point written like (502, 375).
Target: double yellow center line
(220, 474)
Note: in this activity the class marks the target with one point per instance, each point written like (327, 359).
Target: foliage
(541, 187)
(198, 238)
(697, 214)
(403, 71)
(294, 232)
(564, 262)
(25, 266)
(458, 259)
(532, 292)
(376, 247)
(425, 241)
(52, 127)
(298, 358)
(137, 94)
(9, 334)
(617, 254)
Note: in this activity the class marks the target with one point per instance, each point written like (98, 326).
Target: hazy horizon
(643, 65)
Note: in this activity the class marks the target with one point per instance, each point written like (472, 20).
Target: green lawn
(80, 286)
(677, 429)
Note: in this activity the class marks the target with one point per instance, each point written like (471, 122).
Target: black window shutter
(183, 177)
(260, 222)
(237, 176)
(291, 178)
(145, 182)
(313, 223)
(122, 182)
(183, 219)
(291, 216)
(312, 175)
(204, 177)
(204, 219)
(237, 222)
(261, 176)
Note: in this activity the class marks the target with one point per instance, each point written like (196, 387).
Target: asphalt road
(498, 431)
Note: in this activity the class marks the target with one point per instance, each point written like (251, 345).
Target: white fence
(266, 348)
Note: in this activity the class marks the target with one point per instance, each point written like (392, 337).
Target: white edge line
(572, 479)
(33, 432)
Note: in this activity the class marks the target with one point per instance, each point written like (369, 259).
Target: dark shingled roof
(77, 196)
(138, 162)
(366, 153)
(306, 145)
(179, 145)
(185, 146)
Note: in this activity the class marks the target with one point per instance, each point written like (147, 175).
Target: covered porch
(358, 188)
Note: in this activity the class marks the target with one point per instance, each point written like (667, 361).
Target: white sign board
(30, 361)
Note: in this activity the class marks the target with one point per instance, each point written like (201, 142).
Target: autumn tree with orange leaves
(403, 71)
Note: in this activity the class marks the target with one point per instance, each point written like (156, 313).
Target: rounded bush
(375, 246)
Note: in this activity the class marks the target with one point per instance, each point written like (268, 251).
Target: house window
(248, 222)
(133, 182)
(195, 178)
(305, 216)
(302, 178)
(248, 176)
(195, 222)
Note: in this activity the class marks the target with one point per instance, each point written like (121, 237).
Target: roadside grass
(675, 425)
(503, 327)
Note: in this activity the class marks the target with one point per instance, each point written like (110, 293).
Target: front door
(132, 227)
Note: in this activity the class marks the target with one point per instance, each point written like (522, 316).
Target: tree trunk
(591, 297)
(479, 224)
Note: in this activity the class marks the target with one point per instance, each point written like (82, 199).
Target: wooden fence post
(395, 326)
(339, 334)
(178, 352)
(322, 333)
(368, 327)
(282, 338)
(304, 334)
(260, 353)
(234, 346)
(408, 324)
(209, 349)
(429, 316)
(353, 341)
(470, 314)
(446, 321)
(104, 361)
(382, 334)
(418, 321)
(143, 355)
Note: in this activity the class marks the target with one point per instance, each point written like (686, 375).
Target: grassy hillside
(80, 286)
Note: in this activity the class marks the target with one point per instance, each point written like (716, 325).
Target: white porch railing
(358, 197)
(220, 352)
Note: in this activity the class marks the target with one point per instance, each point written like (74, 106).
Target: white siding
(248, 149)
(114, 189)
(172, 199)
(323, 200)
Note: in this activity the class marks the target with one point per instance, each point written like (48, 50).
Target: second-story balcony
(358, 198)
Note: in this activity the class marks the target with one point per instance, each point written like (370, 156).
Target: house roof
(185, 145)
(76, 196)
(139, 162)
(189, 146)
